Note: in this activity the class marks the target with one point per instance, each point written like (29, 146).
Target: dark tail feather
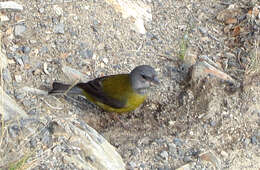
(60, 88)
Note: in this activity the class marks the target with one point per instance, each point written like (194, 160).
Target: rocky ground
(191, 120)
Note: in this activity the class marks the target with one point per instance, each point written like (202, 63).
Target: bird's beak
(156, 81)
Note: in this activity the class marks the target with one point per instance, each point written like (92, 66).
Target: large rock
(11, 110)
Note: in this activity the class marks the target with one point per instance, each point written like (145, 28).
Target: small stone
(19, 96)
(58, 10)
(19, 60)
(25, 59)
(19, 30)
(10, 55)
(246, 142)
(18, 78)
(47, 140)
(177, 142)
(3, 18)
(172, 148)
(213, 123)
(164, 155)
(14, 131)
(69, 59)
(254, 140)
(132, 164)
(203, 30)
(44, 49)
(45, 68)
(86, 54)
(33, 143)
(187, 159)
(6, 75)
(41, 10)
(105, 60)
(224, 154)
(26, 103)
(59, 29)
(26, 49)
(32, 112)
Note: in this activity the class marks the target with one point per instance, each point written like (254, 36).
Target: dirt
(179, 121)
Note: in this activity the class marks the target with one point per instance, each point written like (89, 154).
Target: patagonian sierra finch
(115, 93)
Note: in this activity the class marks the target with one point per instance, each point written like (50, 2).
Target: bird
(118, 93)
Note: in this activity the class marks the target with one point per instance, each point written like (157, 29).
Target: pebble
(18, 78)
(44, 49)
(58, 10)
(164, 155)
(177, 142)
(105, 60)
(6, 75)
(203, 30)
(19, 30)
(25, 59)
(132, 164)
(246, 142)
(10, 55)
(19, 96)
(19, 60)
(27, 103)
(69, 59)
(213, 123)
(14, 131)
(59, 29)
(33, 112)
(26, 49)
(254, 140)
(86, 54)
(33, 143)
(187, 159)
(41, 10)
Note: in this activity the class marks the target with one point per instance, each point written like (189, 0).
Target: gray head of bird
(142, 77)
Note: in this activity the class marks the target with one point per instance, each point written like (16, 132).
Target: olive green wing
(110, 90)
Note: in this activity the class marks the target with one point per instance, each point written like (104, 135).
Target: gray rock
(26, 49)
(44, 50)
(177, 142)
(187, 159)
(19, 60)
(254, 140)
(10, 55)
(19, 30)
(27, 103)
(33, 112)
(59, 29)
(14, 131)
(33, 143)
(164, 155)
(69, 59)
(132, 164)
(246, 142)
(213, 123)
(203, 30)
(25, 59)
(41, 10)
(47, 139)
(86, 54)
(6, 75)
(18, 78)
(10, 108)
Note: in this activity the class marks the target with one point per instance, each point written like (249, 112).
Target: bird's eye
(144, 77)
